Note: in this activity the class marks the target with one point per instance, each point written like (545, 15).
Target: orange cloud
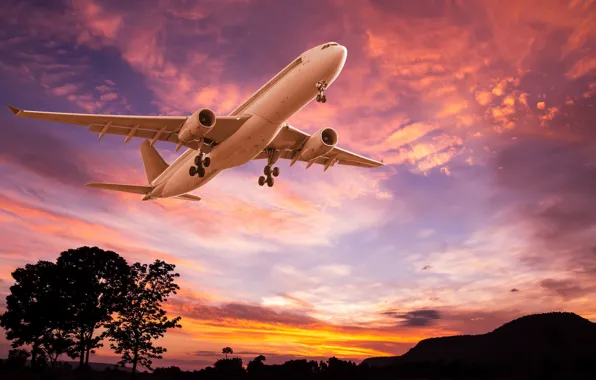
(483, 97)
(424, 155)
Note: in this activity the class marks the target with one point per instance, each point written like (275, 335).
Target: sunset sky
(483, 111)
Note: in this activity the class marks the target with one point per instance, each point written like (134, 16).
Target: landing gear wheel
(201, 171)
(192, 171)
(262, 180)
(275, 171)
(267, 170)
(323, 99)
(270, 181)
(318, 97)
(198, 160)
(206, 162)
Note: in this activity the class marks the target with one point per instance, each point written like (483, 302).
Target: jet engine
(197, 125)
(319, 144)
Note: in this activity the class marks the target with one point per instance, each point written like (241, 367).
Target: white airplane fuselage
(279, 99)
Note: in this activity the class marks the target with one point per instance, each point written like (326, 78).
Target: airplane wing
(155, 128)
(290, 141)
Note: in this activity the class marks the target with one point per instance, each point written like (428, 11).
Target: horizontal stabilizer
(188, 197)
(134, 189)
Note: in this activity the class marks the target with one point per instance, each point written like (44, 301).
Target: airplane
(257, 129)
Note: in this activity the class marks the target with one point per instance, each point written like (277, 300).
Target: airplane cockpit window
(327, 45)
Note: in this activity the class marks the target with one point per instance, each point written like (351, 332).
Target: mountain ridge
(554, 336)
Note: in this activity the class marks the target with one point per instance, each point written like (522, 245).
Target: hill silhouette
(559, 338)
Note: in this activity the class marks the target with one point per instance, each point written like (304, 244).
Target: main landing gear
(321, 86)
(272, 157)
(202, 161)
(268, 177)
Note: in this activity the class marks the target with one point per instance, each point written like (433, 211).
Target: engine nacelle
(197, 125)
(319, 144)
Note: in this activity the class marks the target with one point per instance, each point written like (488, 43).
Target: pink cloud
(109, 96)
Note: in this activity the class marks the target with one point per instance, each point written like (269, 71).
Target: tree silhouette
(256, 365)
(339, 367)
(37, 312)
(140, 316)
(226, 351)
(229, 368)
(94, 281)
(259, 359)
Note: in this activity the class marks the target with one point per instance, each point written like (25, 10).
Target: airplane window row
(327, 45)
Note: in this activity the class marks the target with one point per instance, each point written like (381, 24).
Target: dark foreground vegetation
(232, 368)
(70, 306)
(88, 296)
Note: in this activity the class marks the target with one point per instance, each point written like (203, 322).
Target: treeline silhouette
(334, 368)
(88, 296)
(70, 306)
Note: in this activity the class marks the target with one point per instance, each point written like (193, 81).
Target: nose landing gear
(321, 86)
(201, 162)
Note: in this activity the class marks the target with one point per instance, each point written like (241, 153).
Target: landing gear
(272, 157)
(321, 86)
(201, 162)
(321, 98)
(268, 177)
(199, 170)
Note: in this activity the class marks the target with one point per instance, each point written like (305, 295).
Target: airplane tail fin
(153, 162)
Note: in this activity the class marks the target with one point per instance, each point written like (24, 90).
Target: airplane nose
(339, 55)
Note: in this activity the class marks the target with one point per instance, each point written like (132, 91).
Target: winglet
(14, 109)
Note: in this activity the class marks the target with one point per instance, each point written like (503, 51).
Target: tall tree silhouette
(226, 351)
(37, 312)
(140, 316)
(94, 281)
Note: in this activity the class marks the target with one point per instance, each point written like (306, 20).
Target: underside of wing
(154, 128)
(290, 142)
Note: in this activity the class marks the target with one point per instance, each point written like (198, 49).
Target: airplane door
(305, 58)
